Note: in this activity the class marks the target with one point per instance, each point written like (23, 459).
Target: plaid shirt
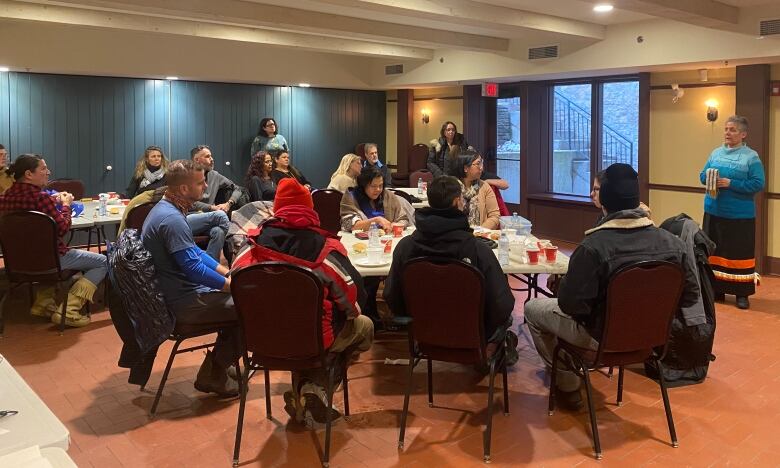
(27, 197)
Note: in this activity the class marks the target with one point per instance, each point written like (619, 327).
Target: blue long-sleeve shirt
(199, 267)
(743, 167)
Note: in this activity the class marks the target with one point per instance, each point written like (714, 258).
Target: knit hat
(620, 189)
(290, 192)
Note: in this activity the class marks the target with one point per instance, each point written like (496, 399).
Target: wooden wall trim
(693, 85)
(644, 136)
(405, 132)
(772, 266)
(677, 188)
(442, 98)
(753, 102)
(773, 196)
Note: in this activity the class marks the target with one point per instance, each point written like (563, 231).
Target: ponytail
(25, 162)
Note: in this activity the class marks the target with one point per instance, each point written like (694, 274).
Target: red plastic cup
(388, 246)
(551, 253)
(533, 256)
(398, 229)
(126, 201)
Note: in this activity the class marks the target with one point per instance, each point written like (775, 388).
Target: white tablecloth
(516, 264)
(88, 219)
(35, 424)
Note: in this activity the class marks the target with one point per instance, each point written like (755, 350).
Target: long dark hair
(458, 164)
(294, 171)
(25, 162)
(367, 175)
(261, 129)
(457, 139)
(256, 166)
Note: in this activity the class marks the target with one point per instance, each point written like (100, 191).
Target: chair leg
(506, 389)
(430, 383)
(406, 401)
(2, 310)
(667, 405)
(164, 378)
(489, 425)
(593, 426)
(241, 407)
(620, 386)
(63, 308)
(611, 371)
(553, 373)
(267, 376)
(346, 389)
(328, 421)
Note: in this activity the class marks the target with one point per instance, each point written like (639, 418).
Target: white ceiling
(573, 9)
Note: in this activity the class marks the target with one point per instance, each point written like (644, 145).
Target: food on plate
(359, 247)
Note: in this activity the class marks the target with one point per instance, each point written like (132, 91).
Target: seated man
(372, 160)
(206, 217)
(31, 175)
(624, 236)
(193, 284)
(443, 231)
(294, 235)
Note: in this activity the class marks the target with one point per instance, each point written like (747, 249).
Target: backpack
(689, 350)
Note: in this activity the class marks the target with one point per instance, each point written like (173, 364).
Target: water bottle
(515, 219)
(373, 236)
(419, 186)
(503, 250)
(103, 204)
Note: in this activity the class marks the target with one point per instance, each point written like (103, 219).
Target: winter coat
(438, 155)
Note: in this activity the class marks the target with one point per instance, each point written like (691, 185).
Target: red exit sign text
(489, 89)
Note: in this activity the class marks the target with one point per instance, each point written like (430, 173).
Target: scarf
(181, 203)
(472, 207)
(151, 176)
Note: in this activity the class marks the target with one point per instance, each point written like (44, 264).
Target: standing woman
(149, 172)
(446, 148)
(283, 169)
(730, 212)
(481, 205)
(268, 138)
(258, 177)
(348, 170)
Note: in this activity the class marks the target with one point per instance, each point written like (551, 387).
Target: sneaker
(743, 302)
(213, 378)
(571, 401)
(70, 321)
(316, 405)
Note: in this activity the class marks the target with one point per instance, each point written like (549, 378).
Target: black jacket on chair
(446, 233)
(621, 238)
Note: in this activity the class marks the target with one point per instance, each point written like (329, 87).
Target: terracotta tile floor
(730, 419)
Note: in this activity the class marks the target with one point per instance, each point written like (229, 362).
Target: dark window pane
(571, 139)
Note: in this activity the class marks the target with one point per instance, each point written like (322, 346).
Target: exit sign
(774, 89)
(489, 89)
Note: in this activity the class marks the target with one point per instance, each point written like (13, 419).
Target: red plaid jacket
(28, 197)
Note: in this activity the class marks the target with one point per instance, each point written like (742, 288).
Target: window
(508, 144)
(571, 135)
(620, 124)
(587, 140)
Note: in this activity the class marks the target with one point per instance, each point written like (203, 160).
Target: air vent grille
(394, 69)
(544, 52)
(769, 27)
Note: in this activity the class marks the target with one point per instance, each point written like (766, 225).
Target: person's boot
(44, 304)
(571, 401)
(214, 378)
(316, 405)
(82, 291)
(720, 297)
(743, 302)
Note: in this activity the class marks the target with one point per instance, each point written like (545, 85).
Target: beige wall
(772, 170)
(665, 204)
(773, 224)
(440, 110)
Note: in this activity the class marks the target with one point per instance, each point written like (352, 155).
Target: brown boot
(82, 291)
(214, 378)
(44, 304)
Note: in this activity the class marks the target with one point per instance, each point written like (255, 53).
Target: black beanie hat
(620, 189)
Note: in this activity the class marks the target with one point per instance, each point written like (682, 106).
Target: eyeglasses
(270, 125)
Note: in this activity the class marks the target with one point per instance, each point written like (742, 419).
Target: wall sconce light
(712, 110)
(426, 116)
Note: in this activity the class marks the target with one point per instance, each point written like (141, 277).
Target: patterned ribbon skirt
(734, 261)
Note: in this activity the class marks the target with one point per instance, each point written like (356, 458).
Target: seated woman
(149, 172)
(481, 205)
(283, 169)
(344, 177)
(369, 203)
(258, 177)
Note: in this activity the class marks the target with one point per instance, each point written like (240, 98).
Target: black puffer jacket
(438, 156)
(621, 238)
(446, 233)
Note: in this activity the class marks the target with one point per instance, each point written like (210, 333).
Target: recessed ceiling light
(603, 8)
(304, 85)
(171, 78)
(4, 69)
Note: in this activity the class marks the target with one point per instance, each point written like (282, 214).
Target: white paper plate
(364, 262)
